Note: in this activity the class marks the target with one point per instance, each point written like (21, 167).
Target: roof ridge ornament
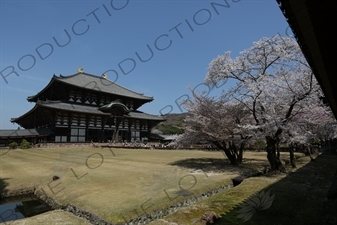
(115, 103)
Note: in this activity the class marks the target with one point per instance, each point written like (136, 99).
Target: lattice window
(77, 135)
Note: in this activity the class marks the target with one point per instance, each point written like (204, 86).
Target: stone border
(27, 192)
(94, 219)
(159, 214)
(40, 195)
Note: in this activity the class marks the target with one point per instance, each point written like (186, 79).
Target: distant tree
(219, 122)
(259, 145)
(168, 129)
(24, 144)
(312, 125)
(13, 145)
(173, 125)
(273, 82)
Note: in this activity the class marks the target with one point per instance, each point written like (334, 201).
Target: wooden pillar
(34, 121)
(140, 129)
(104, 120)
(118, 122)
(130, 122)
(149, 126)
(70, 121)
(87, 122)
(54, 118)
(98, 99)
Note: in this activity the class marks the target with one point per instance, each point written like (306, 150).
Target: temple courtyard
(115, 186)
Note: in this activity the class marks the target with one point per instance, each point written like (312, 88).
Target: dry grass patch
(121, 184)
(299, 197)
(117, 184)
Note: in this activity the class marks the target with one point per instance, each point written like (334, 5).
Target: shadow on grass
(3, 185)
(221, 165)
(298, 198)
(205, 164)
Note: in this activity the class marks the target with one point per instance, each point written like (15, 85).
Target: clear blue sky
(105, 35)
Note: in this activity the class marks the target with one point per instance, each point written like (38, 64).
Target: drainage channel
(21, 207)
(15, 208)
(159, 214)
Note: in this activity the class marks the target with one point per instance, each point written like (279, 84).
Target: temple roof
(58, 105)
(114, 104)
(70, 107)
(314, 26)
(144, 116)
(24, 133)
(92, 82)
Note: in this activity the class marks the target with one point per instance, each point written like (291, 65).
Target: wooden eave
(137, 98)
(314, 26)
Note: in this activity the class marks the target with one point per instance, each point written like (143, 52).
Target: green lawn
(121, 184)
(116, 184)
(298, 198)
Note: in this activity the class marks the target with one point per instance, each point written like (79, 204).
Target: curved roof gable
(114, 104)
(92, 82)
(85, 109)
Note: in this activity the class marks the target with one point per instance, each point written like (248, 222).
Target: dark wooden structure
(30, 135)
(314, 26)
(84, 108)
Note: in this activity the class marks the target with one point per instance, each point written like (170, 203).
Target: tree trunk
(273, 158)
(236, 152)
(309, 152)
(232, 157)
(240, 155)
(292, 156)
(232, 153)
(278, 148)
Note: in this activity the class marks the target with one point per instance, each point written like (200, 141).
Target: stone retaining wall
(94, 219)
(63, 145)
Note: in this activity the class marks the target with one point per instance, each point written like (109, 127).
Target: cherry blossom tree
(313, 125)
(273, 82)
(218, 122)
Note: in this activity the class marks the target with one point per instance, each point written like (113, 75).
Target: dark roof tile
(101, 84)
(71, 107)
(94, 110)
(25, 132)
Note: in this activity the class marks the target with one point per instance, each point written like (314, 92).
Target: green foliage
(168, 129)
(24, 144)
(13, 145)
(173, 125)
(259, 145)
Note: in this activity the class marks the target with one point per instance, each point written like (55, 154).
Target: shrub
(259, 145)
(24, 144)
(13, 145)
